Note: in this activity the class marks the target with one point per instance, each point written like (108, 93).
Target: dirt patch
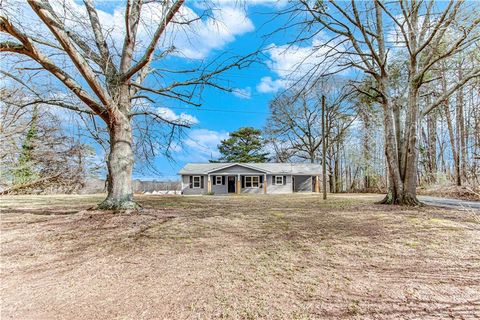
(239, 257)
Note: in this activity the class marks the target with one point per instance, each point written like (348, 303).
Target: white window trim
(216, 179)
(276, 180)
(252, 181)
(199, 182)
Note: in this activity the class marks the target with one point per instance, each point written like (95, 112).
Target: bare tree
(37, 153)
(295, 120)
(108, 76)
(294, 124)
(426, 34)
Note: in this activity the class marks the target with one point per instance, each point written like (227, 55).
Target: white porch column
(265, 183)
(317, 184)
(239, 185)
(209, 184)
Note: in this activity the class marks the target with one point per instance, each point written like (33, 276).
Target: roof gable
(237, 168)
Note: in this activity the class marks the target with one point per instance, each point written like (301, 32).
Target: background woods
(411, 59)
(111, 73)
(400, 79)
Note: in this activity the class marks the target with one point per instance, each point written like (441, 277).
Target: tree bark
(432, 146)
(460, 134)
(120, 166)
(324, 152)
(367, 158)
(336, 169)
(409, 196)
(395, 193)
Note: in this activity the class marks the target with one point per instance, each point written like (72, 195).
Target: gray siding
(286, 188)
(216, 189)
(260, 189)
(303, 183)
(236, 170)
(192, 191)
(253, 190)
(219, 188)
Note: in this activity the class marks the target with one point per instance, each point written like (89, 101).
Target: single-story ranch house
(223, 178)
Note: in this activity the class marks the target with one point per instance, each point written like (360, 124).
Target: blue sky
(223, 112)
(240, 28)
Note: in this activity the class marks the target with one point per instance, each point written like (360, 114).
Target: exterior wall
(286, 188)
(303, 183)
(216, 189)
(234, 170)
(258, 190)
(192, 191)
(220, 188)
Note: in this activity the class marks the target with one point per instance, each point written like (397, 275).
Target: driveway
(450, 203)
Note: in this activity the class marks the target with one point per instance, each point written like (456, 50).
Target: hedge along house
(267, 178)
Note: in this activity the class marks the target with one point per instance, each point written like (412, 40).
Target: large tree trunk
(120, 166)
(395, 186)
(402, 174)
(409, 196)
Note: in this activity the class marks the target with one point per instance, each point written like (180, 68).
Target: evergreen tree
(23, 171)
(243, 145)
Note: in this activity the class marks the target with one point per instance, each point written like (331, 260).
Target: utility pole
(324, 152)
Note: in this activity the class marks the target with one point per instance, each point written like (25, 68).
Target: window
(278, 179)
(252, 182)
(196, 182)
(218, 180)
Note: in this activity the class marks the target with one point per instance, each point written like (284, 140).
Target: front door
(231, 184)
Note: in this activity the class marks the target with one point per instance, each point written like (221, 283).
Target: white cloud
(245, 93)
(196, 40)
(228, 20)
(175, 146)
(268, 3)
(268, 85)
(182, 118)
(202, 145)
(295, 63)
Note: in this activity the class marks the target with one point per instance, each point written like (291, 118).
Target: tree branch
(475, 73)
(27, 48)
(147, 56)
(106, 62)
(159, 118)
(46, 14)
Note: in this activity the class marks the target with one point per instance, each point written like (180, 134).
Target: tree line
(401, 50)
(413, 101)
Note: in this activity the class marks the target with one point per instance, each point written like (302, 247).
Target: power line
(220, 110)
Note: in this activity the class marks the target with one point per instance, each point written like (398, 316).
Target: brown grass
(242, 257)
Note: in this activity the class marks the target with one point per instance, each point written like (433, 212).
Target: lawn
(238, 257)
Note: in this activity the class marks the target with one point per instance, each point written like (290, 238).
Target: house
(268, 178)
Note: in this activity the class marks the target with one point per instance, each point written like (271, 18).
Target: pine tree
(243, 145)
(24, 171)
